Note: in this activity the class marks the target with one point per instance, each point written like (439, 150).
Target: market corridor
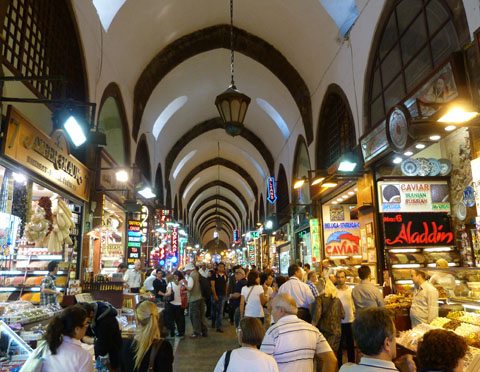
(201, 355)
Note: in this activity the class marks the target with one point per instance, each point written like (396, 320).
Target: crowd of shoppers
(283, 324)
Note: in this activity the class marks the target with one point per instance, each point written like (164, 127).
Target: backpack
(205, 287)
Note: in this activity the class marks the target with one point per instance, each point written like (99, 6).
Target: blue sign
(271, 190)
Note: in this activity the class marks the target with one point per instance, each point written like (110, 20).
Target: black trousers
(346, 340)
(304, 314)
(175, 315)
(208, 305)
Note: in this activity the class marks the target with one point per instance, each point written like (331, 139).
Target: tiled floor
(201, 355)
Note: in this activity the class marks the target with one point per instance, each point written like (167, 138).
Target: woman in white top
(247, 357)
(266, 280)
(253, 297)
(64, 349)
(174, 312)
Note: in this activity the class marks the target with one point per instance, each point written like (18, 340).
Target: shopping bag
(34, 362)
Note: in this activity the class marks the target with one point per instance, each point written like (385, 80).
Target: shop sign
(251, 254)
(236, 236)
(344, 240)
(254, 234)
(47, 156)
(414, 196)
(175, 240)
(271, 190)
(165, 215)
(144, 224)
(374, 143)
(315, 239)
(134, 241)
(417, 229)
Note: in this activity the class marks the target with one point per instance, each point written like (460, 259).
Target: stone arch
(217, 197)
(214, 220)
(159, 184)
(261, 210)
(215, 37)
(301, 166)
(196, 220)
(206, 216)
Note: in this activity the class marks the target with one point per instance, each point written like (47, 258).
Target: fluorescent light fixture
(146, 193)
(75, 131)
(355, 189)
(438, 249)
(338, 257)
(457, 115)
(269, 225)
(339, 200)
(404, 281)
(405, 266)
(435, 137)
(450, 128)
(329, 185)
(408, 153)
(403, 250)
(299, 183)
(397, 160)
(11, 272)
(450, 264)
(347, 166)
(420, 146)
(351, 193)
(121, 175)
(19, 177)
(334, 202)
(317, 180)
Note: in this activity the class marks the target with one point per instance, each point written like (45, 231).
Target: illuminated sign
(144, 224)
(175, 240)
(315, 238)
(413, 196)
(343, 243)
(417, 229)
(236, 236)
(134, 241)
(271, 190)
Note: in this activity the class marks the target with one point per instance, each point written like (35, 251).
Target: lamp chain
(232, 58)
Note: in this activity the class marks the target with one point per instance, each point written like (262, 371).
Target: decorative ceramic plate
(445, 166)
(461, 211)
(469, 196)
(423, 167)
(409, 167)
(434, 167)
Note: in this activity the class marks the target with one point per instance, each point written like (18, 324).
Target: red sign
(175, 240)
(342, 243)
(417, 229)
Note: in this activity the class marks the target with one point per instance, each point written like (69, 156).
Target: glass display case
(13, 350)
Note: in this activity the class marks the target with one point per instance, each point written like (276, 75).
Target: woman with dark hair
(137, 353)
(247, 357)
(253, 297)
(441, 350)
(64, 351)
(266, 280)
(174, 312)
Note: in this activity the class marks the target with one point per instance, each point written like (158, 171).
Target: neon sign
(271, 190)
(404, 229)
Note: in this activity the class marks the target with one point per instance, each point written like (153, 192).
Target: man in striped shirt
(294, 343)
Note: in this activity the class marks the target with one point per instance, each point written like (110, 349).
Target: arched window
(283, 197)
(261, 213)
(39, 38)
(336, 129)
(159, 184)
(301, 166)
(142, 159)
(112, 120)
(417, 36)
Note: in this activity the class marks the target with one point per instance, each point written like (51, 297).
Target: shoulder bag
(227, 360)
(153, 354)
(249, 293)
(171, 296)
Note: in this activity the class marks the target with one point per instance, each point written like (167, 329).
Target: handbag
(183, 296)
(153, 354)
(34, 362)
(171, 296)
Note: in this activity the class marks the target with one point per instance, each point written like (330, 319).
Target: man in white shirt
(148, 283)
(133, 278)
(374, 334)
(300, 292)
(425, 299)
(294, 343)
(203, 271)
(344, 293)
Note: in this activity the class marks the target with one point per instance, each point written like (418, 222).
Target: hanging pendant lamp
(232, 104)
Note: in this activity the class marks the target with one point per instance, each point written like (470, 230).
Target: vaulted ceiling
(171, 58)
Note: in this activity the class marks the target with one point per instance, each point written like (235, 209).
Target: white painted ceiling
(120, 49)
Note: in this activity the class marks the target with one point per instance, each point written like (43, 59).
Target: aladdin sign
(46, 156)
(415, 229)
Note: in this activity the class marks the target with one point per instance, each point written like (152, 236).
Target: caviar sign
(413, 196)
(417, 229)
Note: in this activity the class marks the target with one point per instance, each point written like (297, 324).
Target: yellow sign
(315, 239)
(47, 156)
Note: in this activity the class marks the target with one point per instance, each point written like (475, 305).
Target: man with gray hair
(294, 343)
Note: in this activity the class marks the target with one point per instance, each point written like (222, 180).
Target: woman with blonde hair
(328, 315)
(148, 351)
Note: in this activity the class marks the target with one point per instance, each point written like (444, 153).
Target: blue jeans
(217, 312)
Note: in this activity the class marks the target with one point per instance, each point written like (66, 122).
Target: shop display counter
(105, 291)
(13, 350)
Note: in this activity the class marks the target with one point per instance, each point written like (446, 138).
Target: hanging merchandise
(36, 230)
(61, 226)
